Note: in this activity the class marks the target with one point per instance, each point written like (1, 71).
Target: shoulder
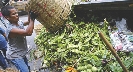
(9, 26)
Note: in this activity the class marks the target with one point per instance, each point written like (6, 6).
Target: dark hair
(6, 10)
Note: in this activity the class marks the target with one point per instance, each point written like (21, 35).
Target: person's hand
(33, 15)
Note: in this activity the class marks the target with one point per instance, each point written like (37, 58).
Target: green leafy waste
(78, 45)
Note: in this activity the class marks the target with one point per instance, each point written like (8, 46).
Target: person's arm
(27, 22)
(28, 32)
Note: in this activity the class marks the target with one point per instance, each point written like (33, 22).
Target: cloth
(116, 42)
(21, 64)
(121, 25)
(3, 63)
(18, 45)
(3, 42)
(122, 42)
(3, 48)
(122, 38)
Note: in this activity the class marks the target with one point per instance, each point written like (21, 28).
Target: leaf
(87, 40)
(76, 50)
(131, 54)
(82, 23)
(72, 46)
(86, 34)
(61, 50)
(71, 23)
(93, 61)
(95, 58)
(45, 61)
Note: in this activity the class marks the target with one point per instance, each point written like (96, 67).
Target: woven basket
(9, 70)
(38, 28)
(52, 14)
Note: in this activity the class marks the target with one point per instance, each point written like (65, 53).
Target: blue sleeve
(2, 31)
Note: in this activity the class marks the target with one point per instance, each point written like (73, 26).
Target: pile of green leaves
(78, 45)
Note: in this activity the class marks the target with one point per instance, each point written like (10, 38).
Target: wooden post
(112, 51)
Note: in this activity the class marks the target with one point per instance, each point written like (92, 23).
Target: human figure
(16, 35)
(3, 48)
(2, 19)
